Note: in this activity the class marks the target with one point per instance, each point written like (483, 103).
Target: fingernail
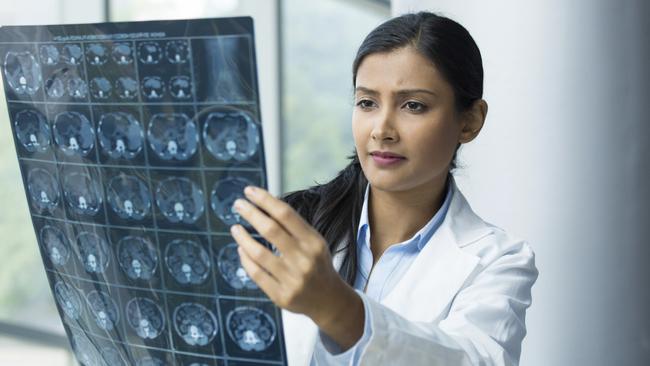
(250, 190)
(234, 229)
(239, 204)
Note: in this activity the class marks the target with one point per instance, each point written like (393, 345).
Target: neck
(395, 216)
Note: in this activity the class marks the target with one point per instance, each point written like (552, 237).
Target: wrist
(342, 315)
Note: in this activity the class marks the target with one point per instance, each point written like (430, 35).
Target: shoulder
(499, 242)
(504, 254)
(493, 244)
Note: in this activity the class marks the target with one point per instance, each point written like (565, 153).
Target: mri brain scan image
(22, 72)
(177, 52)
(187, 262)
(128, 196)
(231, 269)
(153, 87)
(56, 245)
(231, 135)
(126, 88)
(96, 54)
(32, 130)
(93, 252)
(49, 54)
(100, 88)
(43, 190)
(137, 257)
(55, 86)
(195, 324)
(84, 350)
(180, 87)
(223, 195)
(82, 194)
(180, 200)
(104, 309)
(173, 136)
(145, 317)
(73, 133)
(150, 53)
(77, 88)
(120, 135)
(250, 328)
(71, 54)
(68, 299)
(122, 53)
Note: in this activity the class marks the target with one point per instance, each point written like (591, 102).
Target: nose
(384, 126)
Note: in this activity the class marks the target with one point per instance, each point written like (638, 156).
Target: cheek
(435, 146)
(359, 131)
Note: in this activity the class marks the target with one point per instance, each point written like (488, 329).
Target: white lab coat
(462, 301)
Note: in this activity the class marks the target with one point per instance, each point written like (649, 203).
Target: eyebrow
(399, 92)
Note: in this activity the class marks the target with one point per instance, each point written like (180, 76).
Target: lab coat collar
(464, 225)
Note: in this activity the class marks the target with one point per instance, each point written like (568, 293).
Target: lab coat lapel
(442, 267)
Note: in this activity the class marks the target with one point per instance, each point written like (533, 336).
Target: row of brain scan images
(126, 88)
(60, 67)
(251, 328)
(179, 199)
(148, 71)
(187, 262)
(229, 135)
(120, 53)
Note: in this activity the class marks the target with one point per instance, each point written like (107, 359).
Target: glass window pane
(320, 40)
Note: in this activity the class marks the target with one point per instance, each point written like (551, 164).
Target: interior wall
(562, 161)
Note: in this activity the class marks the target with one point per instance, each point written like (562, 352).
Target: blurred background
(563, 160)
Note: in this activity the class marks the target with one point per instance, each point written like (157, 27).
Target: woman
(387, 264)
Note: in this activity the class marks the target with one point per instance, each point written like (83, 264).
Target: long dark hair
(334, 208)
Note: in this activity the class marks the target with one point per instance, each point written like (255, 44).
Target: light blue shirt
(386, 273)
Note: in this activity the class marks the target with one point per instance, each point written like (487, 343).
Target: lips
(387, 155)
(387, 160)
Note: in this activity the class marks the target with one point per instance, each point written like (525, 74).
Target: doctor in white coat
(387, 264)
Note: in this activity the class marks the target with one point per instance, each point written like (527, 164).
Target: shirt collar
(422, 236)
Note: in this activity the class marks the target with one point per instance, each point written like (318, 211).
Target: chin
(390, 182)
(393, 181)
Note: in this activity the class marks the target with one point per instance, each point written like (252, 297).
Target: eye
(415, 106)
(365, 103)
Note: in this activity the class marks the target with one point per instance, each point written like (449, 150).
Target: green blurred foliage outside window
(320, 40)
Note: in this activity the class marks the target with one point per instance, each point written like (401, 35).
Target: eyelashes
(411, 106)
(417, 107)
(363, 103)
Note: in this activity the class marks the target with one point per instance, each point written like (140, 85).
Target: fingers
(279, 210)
(262, 278)
(270, 229)
(258, 253)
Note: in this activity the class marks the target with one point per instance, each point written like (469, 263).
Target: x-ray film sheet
(134, 139)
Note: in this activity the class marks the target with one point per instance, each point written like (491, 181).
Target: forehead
(399, 69)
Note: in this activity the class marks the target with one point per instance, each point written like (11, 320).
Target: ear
(472, 121)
